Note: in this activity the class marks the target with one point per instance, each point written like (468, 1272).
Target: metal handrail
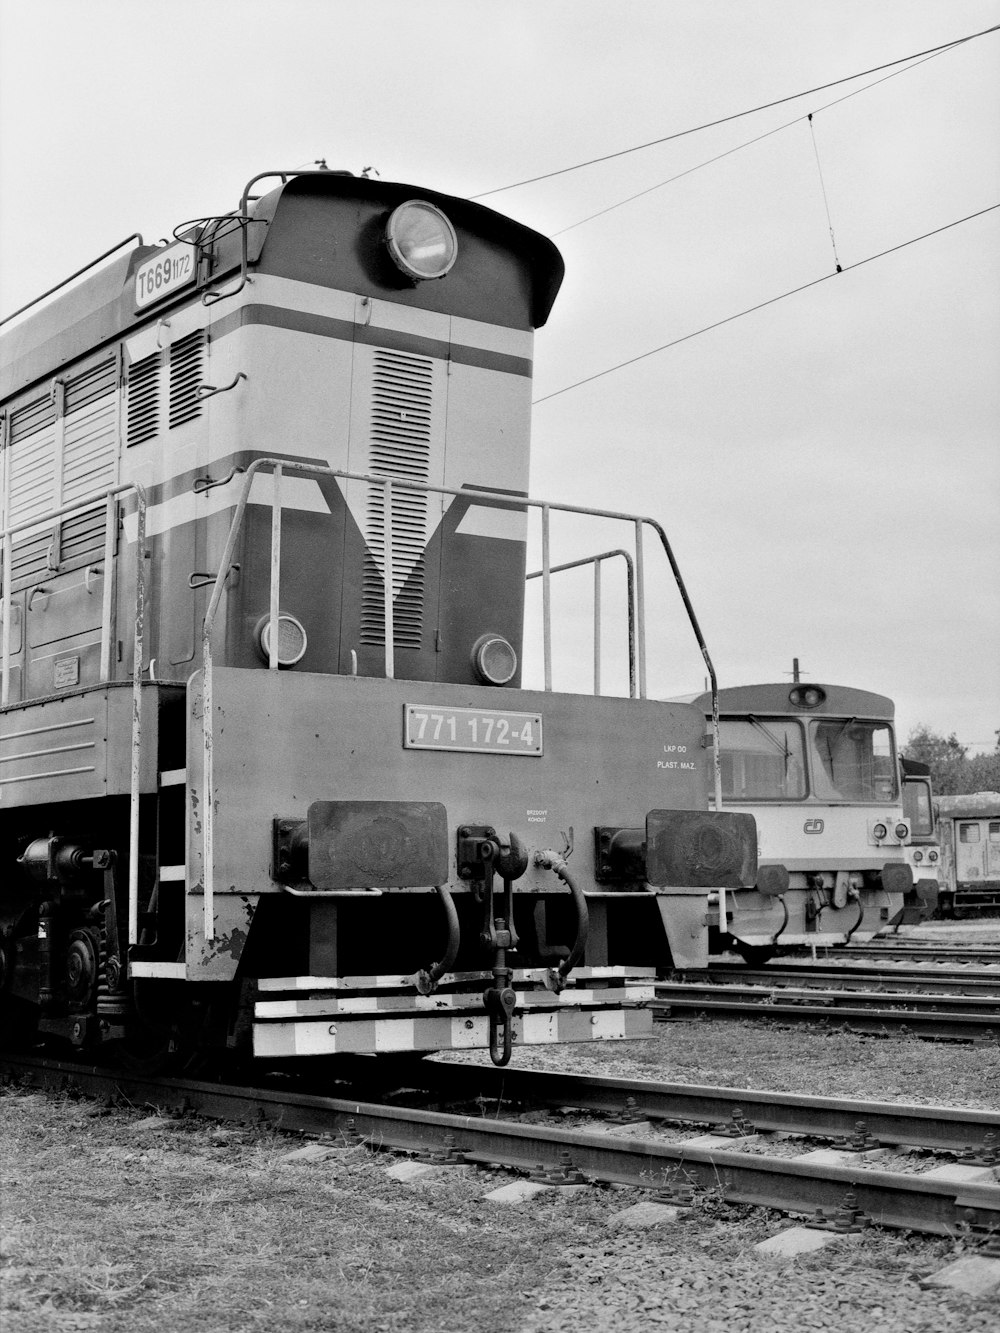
(596, 561)
(388, 484)
(109, 499)
(136, 236)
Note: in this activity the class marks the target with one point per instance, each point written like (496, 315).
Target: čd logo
(813, 826)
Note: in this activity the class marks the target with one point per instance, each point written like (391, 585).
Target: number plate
(166, 272)
(428, 727)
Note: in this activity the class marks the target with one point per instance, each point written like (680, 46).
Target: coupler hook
(499, 935)
(481, 856)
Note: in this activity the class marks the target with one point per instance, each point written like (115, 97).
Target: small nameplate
(479, 730)
(67, 672)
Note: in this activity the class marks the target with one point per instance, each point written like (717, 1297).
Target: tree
(953, 773)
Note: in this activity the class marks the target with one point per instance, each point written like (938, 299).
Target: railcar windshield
(852, 760)
(762, 759)
(917, 807)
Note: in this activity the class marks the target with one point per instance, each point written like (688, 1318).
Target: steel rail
(972, 982)
(889, 1199)
(964, 1025)
(832, 998)
(948, 1129)
(925, 952)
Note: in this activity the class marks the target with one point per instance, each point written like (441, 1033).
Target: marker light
(918, 856)
(806, 696)
(932, 856)
(494, 659)
(292, 640)
(879, 831)
(421, 240)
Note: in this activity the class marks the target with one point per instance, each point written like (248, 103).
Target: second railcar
(817, 767)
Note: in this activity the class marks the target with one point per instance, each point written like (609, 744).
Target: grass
(189, 1228)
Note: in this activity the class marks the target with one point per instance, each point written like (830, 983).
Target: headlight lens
(918, 856)
(292, 640)
(879, 831)
(932, 856)
(494, 659)
(421, 240)
(902, 831)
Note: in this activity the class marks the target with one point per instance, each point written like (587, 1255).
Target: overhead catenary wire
(738, 115)
(761, 305)
(748, 143)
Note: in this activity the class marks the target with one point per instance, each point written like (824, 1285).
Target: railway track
(933, 1017)
(931, 952)
(842, 1188)
(938, 993)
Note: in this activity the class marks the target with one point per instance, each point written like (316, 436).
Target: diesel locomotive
(269, 778)
(818, 768)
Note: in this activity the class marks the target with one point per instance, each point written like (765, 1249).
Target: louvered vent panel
(402, 395)
(34, 416)
(90, 447)
(98, 382)
(143, 411)
(187, 357)
(32, 474)
(31, 484)
(31, 557)
(83, 537)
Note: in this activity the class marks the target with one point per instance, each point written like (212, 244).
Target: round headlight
(494, 659)
(902, 831)
(421, 240)
(806, 696)
(932, 856)
(918, 856)
(879, 831)
(292, 640)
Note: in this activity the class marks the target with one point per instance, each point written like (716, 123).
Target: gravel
(110, 1223)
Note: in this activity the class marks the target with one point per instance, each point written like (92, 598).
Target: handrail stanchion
(597, 626)
(390, 629)
(110, 515)
(8, 566)
(546, 600)
(137, 651)
(629, 592)
(272, 646)
(208, 624)
(640, 597)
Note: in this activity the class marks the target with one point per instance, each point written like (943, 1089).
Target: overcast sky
(828, 467)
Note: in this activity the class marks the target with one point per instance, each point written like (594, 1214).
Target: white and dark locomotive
(268, 777)
(817, 766)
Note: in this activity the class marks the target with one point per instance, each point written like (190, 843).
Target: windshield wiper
(780, 745)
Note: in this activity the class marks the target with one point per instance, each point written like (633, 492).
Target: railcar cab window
(762, 759)
(852, 760)
(917, 808)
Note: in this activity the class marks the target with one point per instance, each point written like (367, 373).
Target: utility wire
(747, 143)
(737, 115)
(822, 186)
(761, 305)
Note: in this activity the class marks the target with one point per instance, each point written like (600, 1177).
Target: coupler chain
(481, 856)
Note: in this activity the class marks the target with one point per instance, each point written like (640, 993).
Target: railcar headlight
(902, 831)
(292, 639)
(494, 659)
(879, 831)
(806, 696)
(932, 856)
(918, 856)
(421, 240)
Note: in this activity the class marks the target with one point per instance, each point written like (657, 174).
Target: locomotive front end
(325, 814)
